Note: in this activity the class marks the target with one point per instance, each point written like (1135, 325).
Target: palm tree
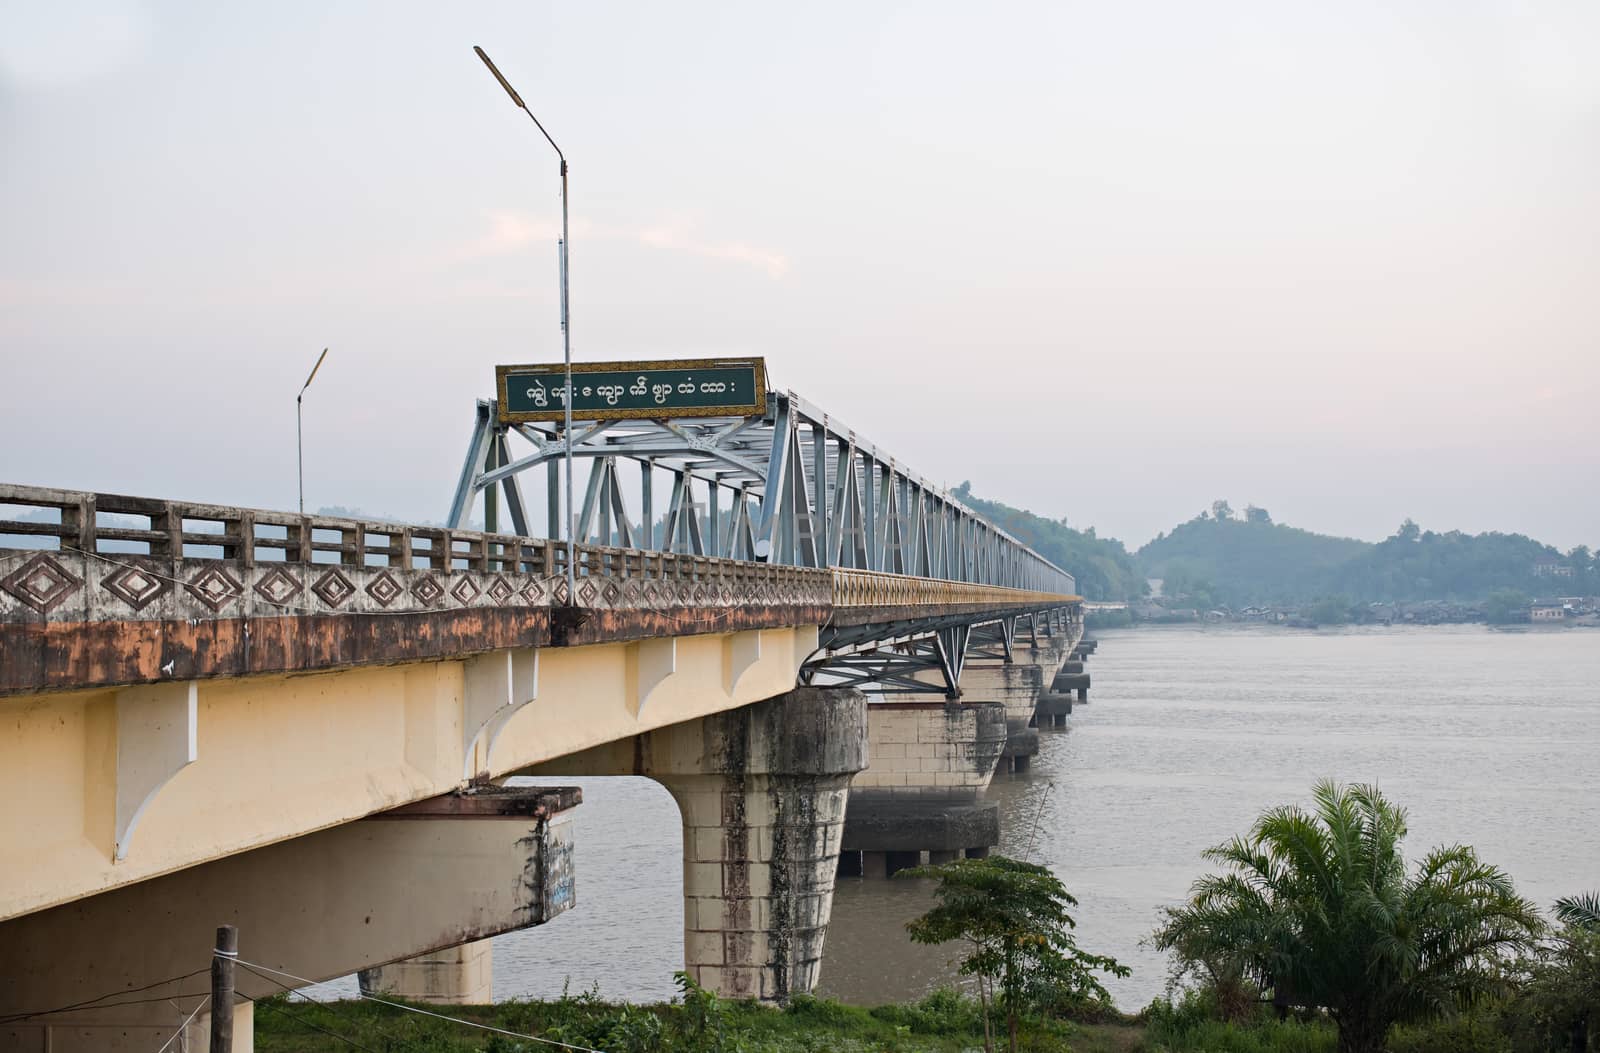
(1318, 906)
(1581, 912)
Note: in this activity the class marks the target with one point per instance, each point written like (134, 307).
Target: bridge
(303, 725)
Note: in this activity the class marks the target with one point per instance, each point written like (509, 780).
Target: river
(1488, 738)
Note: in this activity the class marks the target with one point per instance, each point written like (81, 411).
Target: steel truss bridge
(792, 487)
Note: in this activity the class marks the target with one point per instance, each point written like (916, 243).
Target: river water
(1488, 738)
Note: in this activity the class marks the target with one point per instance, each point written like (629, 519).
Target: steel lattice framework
(792, 487)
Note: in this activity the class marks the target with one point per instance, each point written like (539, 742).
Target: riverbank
(940, 1023)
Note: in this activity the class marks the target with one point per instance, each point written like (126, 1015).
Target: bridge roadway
(214, 714)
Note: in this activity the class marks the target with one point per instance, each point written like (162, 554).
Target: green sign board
(712, 387)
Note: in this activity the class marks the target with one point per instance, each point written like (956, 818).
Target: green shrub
(1478, 1032)
(1192, 1025)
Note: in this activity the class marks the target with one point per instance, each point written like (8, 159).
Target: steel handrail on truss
(792, 487)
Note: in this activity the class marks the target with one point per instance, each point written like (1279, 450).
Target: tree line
(1219, 558)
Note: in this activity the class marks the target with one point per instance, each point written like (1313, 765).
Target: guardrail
(154, 533)
(866, 588)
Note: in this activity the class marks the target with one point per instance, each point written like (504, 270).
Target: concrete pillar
(930, 761)
(460, 975)
(930, 749)
(1016, 685)
(762, 829)
(762, 790)
(939, 857)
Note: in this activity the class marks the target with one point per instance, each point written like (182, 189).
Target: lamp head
(487, 61)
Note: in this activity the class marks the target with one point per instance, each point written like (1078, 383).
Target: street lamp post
(299, 440)
(566, 328)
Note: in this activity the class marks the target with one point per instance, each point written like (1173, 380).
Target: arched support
(157, 737)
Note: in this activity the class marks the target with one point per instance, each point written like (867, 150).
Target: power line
(90, 1003)
(334, 1007)
(253, 967)
(199, 1006)
(303, 1022)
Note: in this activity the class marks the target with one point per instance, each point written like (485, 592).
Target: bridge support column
(930, 762)
(1017, 686)
(762, 790)
(762, 825)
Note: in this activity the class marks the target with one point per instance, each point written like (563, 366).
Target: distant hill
(1417, 564)
(1219, 558)
(1103, 567)
(1245, 561)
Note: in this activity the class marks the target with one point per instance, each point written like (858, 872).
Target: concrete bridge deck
(209, 705)
(230, 592)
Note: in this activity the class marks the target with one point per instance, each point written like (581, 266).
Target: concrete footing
(1073, 682)
(1054, 708)
(889, 834)
(1021, 746)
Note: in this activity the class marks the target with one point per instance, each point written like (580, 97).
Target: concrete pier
(762, 790)
(930, 749)
(892, 835)
(1054, 708)
(1073, 682)
(930, 762)
(1017, 686)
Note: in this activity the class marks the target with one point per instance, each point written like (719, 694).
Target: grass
(699, 1022)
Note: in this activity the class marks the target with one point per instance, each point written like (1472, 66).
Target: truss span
(792, 486)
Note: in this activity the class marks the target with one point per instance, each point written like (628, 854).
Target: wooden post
(222, 960)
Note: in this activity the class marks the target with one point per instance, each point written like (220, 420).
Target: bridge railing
(865, 588)
(117, 524)
(177, 532)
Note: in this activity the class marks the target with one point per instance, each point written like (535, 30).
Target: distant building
(1551, 568)
(1547, 612)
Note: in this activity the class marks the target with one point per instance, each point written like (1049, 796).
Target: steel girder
(892, 669)
(793, 486)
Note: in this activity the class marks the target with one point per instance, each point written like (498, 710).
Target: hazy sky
(1107, 260)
